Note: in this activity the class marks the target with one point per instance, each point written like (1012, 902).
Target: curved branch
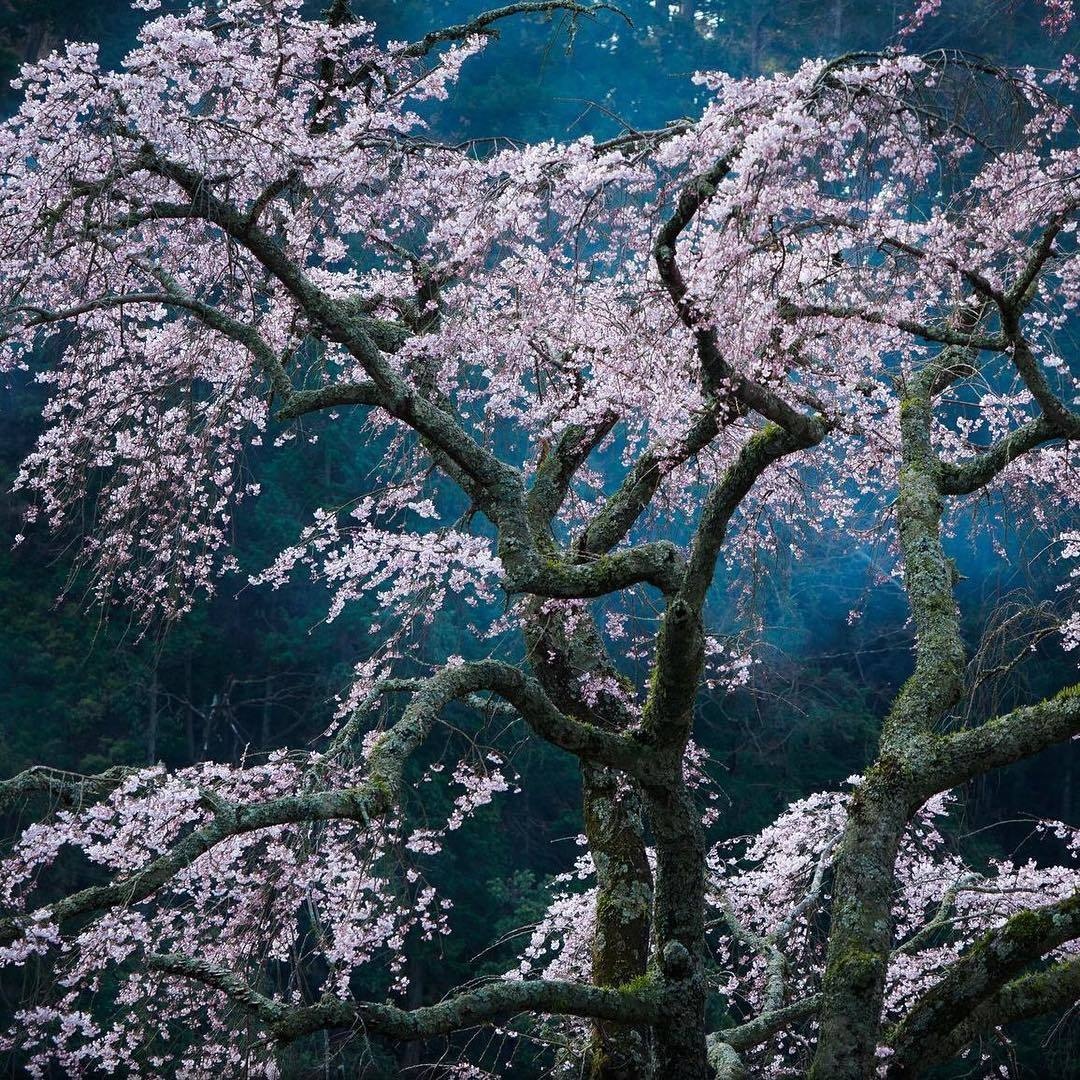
(659, 563)
(763, 1027)
(501, 483)
(528, 697)
(301, 402)
(369, 799)
(557, 468)
(494, 1001)
(943, 335)
(962, 478)
(716, 371)
(482, 23)
(756, 455)
(617, 516)
(1060, 415)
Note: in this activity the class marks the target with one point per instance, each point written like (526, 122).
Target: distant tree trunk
(264, 726)
(410, 1053)
(189, 712)
(1067, 782)
(758, 18)
(37, 42)
(208, 723)
(152, 719)
(837, 24)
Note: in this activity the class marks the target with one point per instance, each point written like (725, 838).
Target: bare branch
(966, 754)
(482, 24)
(67, 788)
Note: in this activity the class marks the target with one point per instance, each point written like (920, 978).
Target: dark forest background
(255, 669)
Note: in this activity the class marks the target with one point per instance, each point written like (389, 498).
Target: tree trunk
(860, 937)
(613, 826)
(679, 931)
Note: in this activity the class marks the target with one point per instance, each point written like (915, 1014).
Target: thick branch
(67, 788)
(936, 683)
(965, 477)
(1042, 993)
(659, 563)
(1057, 412)
(494, 1001)
(618, 514)
(978, 975)
(759, 452)
(557, 469)
(969, 753)
(301, 402)
(765, 1026)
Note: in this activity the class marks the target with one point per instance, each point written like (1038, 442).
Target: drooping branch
(171, 296)
(376, 795)
(362, 804)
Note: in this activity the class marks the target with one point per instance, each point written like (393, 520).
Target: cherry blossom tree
(595, 373)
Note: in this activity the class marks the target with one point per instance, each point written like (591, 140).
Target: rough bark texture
(860, 938)
(613, 826)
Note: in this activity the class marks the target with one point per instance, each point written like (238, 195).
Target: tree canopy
(594, 381)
